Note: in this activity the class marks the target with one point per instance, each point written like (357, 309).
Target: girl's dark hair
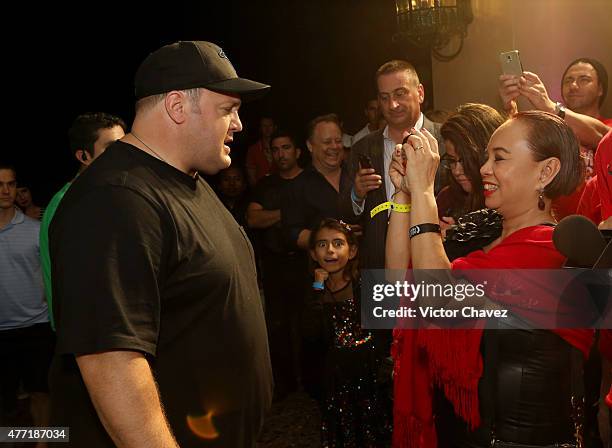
(351, 270)
(469, 129)
(550, 136)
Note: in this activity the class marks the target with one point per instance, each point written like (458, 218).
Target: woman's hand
(422, 161)
(397, 170)
(446, 223)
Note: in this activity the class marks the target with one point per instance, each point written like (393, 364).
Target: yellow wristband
(400, 208)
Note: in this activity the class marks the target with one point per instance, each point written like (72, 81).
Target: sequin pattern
(353, 413)
(347, 330)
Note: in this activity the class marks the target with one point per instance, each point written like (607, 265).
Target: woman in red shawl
(524, 396)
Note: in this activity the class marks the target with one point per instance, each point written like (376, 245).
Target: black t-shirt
(269, 193)
(146, 258)
(310, 198)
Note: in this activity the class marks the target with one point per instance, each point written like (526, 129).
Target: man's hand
(366, 180)
(532, 88)
(509, 91)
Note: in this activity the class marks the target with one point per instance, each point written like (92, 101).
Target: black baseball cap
(189, 64)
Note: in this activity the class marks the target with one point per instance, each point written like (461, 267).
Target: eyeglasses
(450, 163)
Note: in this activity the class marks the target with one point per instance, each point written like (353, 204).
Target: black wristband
(423, 228)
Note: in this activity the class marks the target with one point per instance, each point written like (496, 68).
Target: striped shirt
(22, 302)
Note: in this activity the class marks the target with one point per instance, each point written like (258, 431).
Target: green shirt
(45, 259)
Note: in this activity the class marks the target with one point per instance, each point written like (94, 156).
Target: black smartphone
(365, 161)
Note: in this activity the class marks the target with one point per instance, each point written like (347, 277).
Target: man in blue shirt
(26, 340)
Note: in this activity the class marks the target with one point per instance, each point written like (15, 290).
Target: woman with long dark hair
(466, 134)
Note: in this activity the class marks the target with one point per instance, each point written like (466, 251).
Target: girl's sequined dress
(353, 411)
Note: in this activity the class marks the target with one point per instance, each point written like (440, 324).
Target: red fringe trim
(456, 366)
(409, 432)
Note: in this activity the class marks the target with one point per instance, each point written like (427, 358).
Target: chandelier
(433, 24)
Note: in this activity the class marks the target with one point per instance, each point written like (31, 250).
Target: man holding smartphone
(584, 87)
(584, 121)
(400, 95)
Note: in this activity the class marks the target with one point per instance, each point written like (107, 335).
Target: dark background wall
(319, 56)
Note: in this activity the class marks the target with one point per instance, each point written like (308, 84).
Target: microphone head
(579, 240)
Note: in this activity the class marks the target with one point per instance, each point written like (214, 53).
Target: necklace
(148, 147)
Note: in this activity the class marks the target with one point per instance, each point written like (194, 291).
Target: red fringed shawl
(451, 359)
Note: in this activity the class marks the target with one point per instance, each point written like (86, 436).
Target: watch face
(560, 110)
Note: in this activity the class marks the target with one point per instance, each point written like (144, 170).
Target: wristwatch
(560, 110)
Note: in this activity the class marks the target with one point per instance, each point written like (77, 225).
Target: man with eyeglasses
(400, 95)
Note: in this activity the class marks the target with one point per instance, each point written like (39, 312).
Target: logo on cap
(222, 54)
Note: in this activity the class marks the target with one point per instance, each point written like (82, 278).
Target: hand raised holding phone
(366, 178)
(509, 81)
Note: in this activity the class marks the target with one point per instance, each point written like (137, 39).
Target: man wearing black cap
(161, 340)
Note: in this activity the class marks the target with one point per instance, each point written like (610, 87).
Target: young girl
(352, 411)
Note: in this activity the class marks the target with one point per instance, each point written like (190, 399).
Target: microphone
(605, 259)
(579, 240)
(583, 244)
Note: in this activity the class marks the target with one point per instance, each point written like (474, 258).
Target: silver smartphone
(511, 63)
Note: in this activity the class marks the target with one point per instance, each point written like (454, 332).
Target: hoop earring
(541, 203)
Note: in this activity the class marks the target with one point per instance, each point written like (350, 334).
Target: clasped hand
(414, 164)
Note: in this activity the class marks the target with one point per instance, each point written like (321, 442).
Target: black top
(269, 193)
(146, 258)
(525, 392)
(310, 199)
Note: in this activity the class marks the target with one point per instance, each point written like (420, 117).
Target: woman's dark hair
(351, 270)
(549, 136)
(469, 129)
